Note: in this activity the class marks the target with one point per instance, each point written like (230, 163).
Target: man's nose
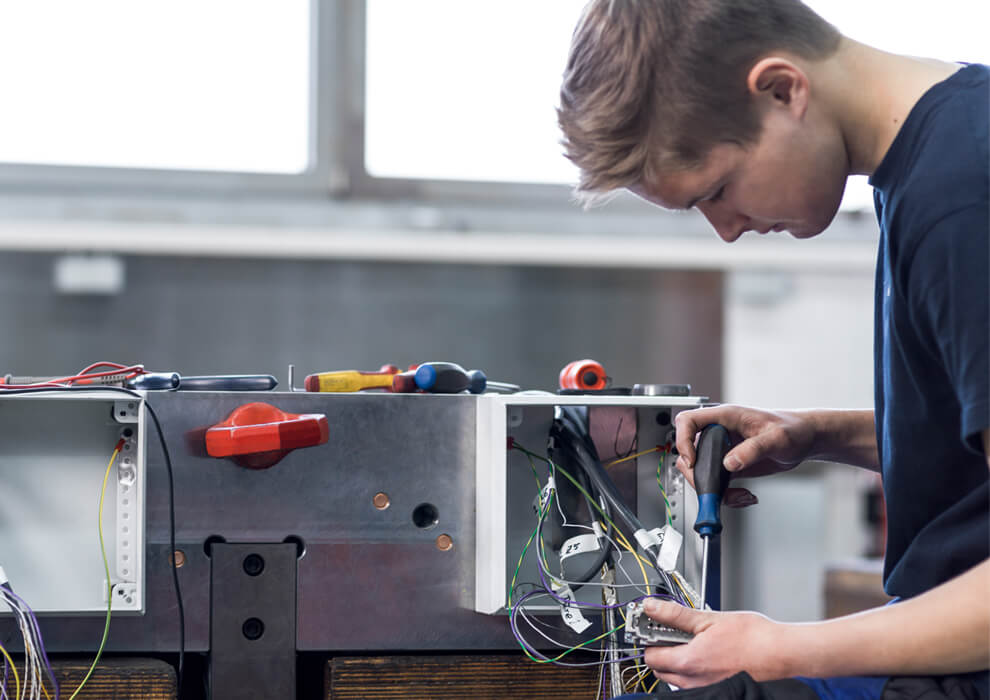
(729, 225)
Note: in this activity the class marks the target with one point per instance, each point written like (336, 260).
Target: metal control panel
(405, 522)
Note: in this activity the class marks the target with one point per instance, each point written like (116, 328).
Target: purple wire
(536, 652)
(41, 642)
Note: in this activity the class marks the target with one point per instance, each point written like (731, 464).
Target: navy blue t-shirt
(932, 331)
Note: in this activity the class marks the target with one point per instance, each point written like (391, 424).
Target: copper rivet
(381, 501)
(445, 543)
(179, 558)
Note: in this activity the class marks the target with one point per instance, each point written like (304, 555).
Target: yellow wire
(106, 568)
(626, 459)
(654, 686)
(687, 598)
(17, 679)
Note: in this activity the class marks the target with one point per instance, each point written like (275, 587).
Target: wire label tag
(570, 613)
(543, 499)
(670, 546)
(579, 544)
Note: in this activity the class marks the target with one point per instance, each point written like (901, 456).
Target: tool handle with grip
(449, 378)
(348, 380)
(711, 478)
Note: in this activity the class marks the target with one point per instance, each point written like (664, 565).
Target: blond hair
(651, 85)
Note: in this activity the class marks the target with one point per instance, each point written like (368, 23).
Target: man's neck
(871, 93)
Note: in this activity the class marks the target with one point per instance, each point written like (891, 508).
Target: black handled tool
(711, 478)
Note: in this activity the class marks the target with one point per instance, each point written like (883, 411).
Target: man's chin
(803, 232)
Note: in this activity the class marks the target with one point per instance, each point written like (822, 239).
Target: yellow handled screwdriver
(351, 380)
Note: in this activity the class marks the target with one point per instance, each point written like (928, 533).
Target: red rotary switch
(258, 435)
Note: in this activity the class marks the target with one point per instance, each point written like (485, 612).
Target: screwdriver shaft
(704, 571)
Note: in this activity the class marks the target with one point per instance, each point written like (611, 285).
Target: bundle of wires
(98, 373)
(572, 445)
(30, 683)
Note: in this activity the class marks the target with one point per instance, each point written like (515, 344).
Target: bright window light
(221, 85)
(466, 90)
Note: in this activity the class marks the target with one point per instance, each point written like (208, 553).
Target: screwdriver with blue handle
(711, 478)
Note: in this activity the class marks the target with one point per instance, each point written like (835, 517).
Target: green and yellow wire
(106, 569)
(574, 648)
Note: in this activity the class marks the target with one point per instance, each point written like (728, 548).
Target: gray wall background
(218, 316)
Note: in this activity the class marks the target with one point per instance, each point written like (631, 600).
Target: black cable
(568, 426)
(171, 494)
(171, 542)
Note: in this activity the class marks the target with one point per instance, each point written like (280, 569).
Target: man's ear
(782, 82)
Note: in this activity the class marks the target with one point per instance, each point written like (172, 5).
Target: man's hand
(771, 442)
(724, 643)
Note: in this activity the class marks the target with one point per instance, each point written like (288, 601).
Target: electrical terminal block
(642, 631)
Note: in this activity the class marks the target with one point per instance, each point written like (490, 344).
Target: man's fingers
(688, 424)
(739, 498)
(747, 452)
(675, 615)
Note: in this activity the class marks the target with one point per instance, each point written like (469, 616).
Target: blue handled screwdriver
(711, 478)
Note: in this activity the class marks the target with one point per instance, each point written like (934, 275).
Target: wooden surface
(448, 677)
(112, 679)
(854, 586)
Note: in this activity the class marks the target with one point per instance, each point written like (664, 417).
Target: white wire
(33, 670)
(560, 644)
(618, 562)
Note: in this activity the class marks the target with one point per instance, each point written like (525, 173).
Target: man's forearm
(846, 436)
(945, 630)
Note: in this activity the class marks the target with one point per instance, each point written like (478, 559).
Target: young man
(755, 112)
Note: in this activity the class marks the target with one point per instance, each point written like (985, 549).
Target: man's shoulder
(943, 163)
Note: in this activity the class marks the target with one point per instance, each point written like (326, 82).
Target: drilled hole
(425, 516)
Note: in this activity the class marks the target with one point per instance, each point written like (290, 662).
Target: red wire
(93, 366)
(126, 371)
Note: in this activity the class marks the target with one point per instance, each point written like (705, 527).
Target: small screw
(445, 543)
(381, 500)
(178, 559)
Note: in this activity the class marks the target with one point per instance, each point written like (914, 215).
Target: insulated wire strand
(30, 655)
(106, 569)
(13, 667)
(687, 598)
(15, 602)
(517, 610)
(666, 503)
(634, 456)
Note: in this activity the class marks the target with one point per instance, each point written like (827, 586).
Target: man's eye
(718, 195)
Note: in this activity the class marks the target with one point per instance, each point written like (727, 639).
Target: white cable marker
(670, 546)
(570, 613)
(541, 501)
(579, 544)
